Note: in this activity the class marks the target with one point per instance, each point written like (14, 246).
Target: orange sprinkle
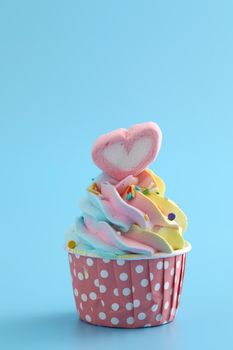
(146, 217)
(93, 189)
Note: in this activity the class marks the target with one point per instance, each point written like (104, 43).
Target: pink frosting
(118, 214)
(120, 209)
(133, 211)
(109, 235)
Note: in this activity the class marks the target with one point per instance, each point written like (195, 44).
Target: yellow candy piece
(167, 206)
(133, 191)
(172, 236)
(71, 244)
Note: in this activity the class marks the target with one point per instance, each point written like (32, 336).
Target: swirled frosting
(128, 216)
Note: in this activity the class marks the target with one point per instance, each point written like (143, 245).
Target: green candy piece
(146, 191)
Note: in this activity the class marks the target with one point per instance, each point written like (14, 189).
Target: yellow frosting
(167, 206)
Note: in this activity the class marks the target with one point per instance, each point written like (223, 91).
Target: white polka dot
(157, 287)
(144, 282)
(126, 292)
(80, 276)
(93, 296)
(102, 302)
(159, 317)
(115, 306)
(151, 276)
(136, 303)
(116, 292)
(159, 265)
(75, 292)
(173, 311)
(77, 256)
(178, 264)
(141, 316)
(129, 306)
(104, 274)
(70, 258)
(81, 306)
(147, 325)
(97, 282)
(166, 265)
(120, 262)
(86, 275)
(149, 296)
(89, 262)
(166, 285)
(88, 318)
(84, 297)
(123, 276)
(102, 288)
(139, 268)
(166, 305)
(154, 307)
(130, 320)
(102, 315)
(106, 261)
(74, 272)
(133, 289)
(172, 271)
(114, 320)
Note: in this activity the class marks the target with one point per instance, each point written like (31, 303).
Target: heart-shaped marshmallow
(127, 152)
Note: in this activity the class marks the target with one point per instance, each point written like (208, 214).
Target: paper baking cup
(128, 293)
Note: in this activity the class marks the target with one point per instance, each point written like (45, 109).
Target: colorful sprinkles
(131, 192)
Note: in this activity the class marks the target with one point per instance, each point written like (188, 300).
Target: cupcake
(126, 252)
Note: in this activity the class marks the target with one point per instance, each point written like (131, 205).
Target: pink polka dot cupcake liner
(127, 293)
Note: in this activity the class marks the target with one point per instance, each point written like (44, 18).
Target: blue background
(71, 71)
